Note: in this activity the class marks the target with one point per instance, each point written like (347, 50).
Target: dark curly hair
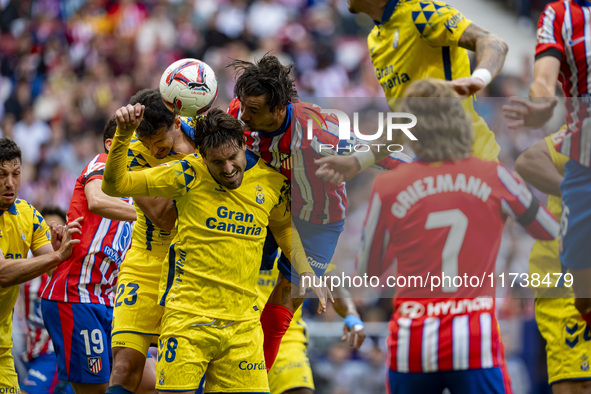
(266, 76)
(9, 151)
(156, 115)
(216, 129)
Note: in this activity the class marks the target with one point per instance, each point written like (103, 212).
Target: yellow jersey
(22, 228)
(139, 158)
(298, 330)
(213, 262)
(544, 257)
(417, 40)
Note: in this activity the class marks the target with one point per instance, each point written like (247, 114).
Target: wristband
(483, 74)
(354, 323)
(365, 159)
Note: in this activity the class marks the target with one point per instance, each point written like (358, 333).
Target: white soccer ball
(188, 87)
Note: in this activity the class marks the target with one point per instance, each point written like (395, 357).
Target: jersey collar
(583, 3)
(251, 159)
(12, 209)
(388, 11)
(284, 127)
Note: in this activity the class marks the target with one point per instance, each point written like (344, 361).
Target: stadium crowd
(66, 66)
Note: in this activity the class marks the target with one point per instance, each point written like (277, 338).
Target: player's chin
(6, 202)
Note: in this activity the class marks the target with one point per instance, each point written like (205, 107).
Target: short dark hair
(109, 131)
(266, 76)
(9, 151)
(216, 129)
(54, 210)
(156, 115)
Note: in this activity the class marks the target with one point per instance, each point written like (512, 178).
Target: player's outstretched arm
(15, 271)
(108, 207)
(353, 329)
(536, 111)
(117, 181)
(518, 202)
(490, 52)
(536, 167)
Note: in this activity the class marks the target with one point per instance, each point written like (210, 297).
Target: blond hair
(443, 130)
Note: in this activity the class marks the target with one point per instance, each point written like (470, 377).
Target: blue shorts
(41, 375)
(81, 335)
(480, 381)
(320, 242)
(575, 224)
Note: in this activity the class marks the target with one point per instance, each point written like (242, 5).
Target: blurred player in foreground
(568, 338)
(22, 228)
(39, 356)
(562, 56)
(445, 214)
(266, 101)
(416, 39)
(78, 301)
(225, 200)
(160, 138)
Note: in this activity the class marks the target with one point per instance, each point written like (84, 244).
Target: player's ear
(108, 143)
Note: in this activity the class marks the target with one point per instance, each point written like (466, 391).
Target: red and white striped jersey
(37, 338)
(290, 151)
(437, 219)
(564, 31)
(90, 274)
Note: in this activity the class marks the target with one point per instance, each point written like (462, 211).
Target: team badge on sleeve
(95, 364)
(259, 193)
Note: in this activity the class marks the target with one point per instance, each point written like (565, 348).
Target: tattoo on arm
(490, 50)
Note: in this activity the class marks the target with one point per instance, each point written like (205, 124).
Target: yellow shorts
(291, 369)
(8, 377)
(137, 313)
(568, 339)
(230, 354)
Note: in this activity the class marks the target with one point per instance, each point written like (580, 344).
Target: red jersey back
(563, 32)
(437, 219)
(90, 274)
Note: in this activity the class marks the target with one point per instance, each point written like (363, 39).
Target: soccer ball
(188, 87)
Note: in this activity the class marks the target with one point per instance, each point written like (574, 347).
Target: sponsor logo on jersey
(414, 309)
(317, 264)
(453, 22)
(95, 364)
(249, 366)
(227, 224)
(395, 39)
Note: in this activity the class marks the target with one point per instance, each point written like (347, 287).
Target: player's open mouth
(231, 176)
(8, 195)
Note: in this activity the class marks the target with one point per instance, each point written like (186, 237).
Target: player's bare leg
(128, 367)
(148, 383)
(299, 391)
(89, 388)
(572, 387)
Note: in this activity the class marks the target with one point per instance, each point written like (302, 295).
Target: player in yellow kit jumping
(225, 200)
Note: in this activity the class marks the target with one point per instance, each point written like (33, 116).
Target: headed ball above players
(188, 87)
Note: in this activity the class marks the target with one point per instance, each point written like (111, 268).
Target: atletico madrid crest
(95, 364)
